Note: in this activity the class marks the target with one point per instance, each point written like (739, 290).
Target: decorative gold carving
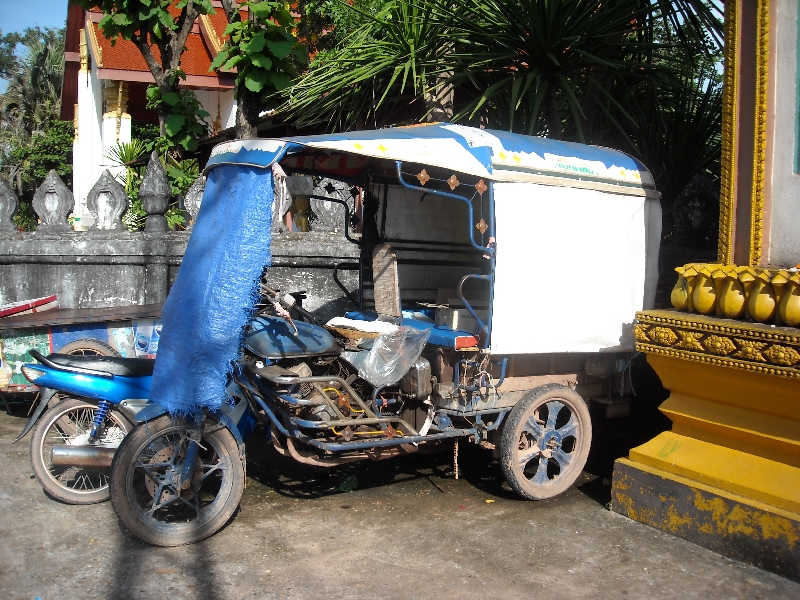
(453, 181)
(75, 122)
(689, 340)
(115, 94)
(760, 132)
(92, 36)
(481, 187)
(640, 332)
(423, 177)
(762, 294)
(782, 355)
(750, 350)
(662, 335)
(722, 342)
(716, 344)
(481, 226)
(728, 158)
(84, 52)
(208, 29)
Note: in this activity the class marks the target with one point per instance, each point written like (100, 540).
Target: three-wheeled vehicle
(498, 283)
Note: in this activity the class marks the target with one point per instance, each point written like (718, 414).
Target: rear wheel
(88, 347)
(545, 442)
(69, 423)
(145, 483)
(83, 347)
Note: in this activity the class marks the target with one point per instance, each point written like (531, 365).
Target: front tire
(148, 502)
(70, 422)
(545, 442)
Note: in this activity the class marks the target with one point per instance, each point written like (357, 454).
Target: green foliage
(153, 22)
(32, 139)
(185, 119)
(180, 173)
(263, 49)
(389, 62)
(51, 149)
(26, 166)
(335, 20)
(639, 75)
(25, 219)
(127, 18)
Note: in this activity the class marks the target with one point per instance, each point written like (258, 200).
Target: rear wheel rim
(72, 427)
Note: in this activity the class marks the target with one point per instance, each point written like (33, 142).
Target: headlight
(32, 374)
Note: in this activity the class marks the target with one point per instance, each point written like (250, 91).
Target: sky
(17, 16)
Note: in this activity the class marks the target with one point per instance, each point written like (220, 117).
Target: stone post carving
(8, 207)
(194, 196)
(53, 202)
(107, 201)
(155, 194)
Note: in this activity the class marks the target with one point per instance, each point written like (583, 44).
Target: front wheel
(545, 442)
(145, 482)
(69, 423)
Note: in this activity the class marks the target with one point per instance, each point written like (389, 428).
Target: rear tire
(143, 493)
(67, 423)
(88, 347)
(545, 442)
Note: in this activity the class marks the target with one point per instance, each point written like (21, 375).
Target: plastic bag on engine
(392, 355)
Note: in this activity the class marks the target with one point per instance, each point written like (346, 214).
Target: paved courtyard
(408, 530)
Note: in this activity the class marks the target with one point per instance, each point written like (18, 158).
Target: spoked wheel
(69, 423)
(545, 442)
(146, 491)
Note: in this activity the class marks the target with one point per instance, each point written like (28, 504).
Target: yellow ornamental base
(728, 474)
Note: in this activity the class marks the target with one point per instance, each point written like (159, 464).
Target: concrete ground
(409, 530)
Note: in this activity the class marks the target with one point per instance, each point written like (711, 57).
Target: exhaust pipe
(88, 457)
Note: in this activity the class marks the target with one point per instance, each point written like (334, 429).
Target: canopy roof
(493, 155)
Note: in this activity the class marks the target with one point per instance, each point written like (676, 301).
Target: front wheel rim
(151, 490)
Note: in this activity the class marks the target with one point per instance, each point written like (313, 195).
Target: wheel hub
(171, 477)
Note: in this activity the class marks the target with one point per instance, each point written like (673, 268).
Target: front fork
(192, 452)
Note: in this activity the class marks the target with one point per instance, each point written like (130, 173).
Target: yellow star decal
(358, 146)
(517, 158)
(502, 156)
(382, 148)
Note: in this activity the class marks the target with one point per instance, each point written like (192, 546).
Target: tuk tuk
(499, 277)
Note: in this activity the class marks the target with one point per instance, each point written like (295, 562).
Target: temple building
(104, 90)
(727, 475)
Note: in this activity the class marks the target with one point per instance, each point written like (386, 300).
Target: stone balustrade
(764, 295)
(110, 266)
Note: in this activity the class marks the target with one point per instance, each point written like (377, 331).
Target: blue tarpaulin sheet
(215, 291)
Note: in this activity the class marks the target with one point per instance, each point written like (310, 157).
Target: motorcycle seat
(124, 367)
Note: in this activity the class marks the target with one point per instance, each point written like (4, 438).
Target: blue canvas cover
(215, 291)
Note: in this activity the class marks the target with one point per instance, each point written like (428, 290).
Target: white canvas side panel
(570, 271)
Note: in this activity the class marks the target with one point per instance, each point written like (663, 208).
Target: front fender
(150, 412)
(155, 410)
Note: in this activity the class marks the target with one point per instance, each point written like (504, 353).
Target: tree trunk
(247, 105)
(247, 110)
(439, 100)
